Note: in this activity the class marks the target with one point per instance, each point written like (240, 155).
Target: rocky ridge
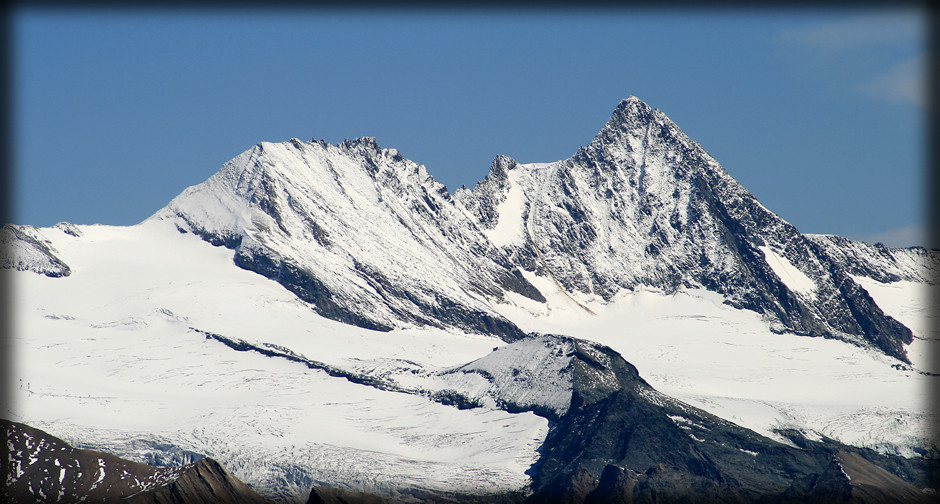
(39, 467)
(343, 227)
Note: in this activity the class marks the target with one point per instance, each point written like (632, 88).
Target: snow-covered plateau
(315, 314)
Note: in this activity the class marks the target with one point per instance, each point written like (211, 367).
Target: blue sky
(819, 113)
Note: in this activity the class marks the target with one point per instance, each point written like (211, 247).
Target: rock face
(881, 263)
(370, 238)
(850, 478)
(620, 441)
(644, 205)
(365, 235)
(23, 248)
(39, 467)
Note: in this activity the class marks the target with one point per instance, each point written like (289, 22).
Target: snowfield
(106, 356)
(692, 346)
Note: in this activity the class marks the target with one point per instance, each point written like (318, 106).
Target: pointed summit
(643, 205)
(633, 128)
(630, 111)
(639, 138)
(632, 106)
(631, 124)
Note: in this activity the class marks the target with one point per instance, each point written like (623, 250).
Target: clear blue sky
(819, 113)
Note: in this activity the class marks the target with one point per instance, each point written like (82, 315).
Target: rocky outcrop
(618, 440)
(23, 248)
(38, 467)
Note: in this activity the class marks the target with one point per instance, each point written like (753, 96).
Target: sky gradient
(819, 113)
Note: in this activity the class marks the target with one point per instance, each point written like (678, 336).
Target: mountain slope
(644, 206)
(344, 227)
(39, 467)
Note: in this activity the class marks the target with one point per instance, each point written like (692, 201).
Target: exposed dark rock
(330, 495)
(38, 467)
(637, 445)
(321, 494)
(849, 478)
(206, 482)
(616, 485)
(566, 488)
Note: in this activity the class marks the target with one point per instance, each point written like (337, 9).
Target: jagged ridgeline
(371, 239)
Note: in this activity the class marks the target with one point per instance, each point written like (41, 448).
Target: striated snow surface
(692, 346)
(790, 275)
(106, 356)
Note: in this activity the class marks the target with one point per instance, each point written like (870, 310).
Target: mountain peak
(631, 109)
(632, 100)
(629, 125)
(634, 130)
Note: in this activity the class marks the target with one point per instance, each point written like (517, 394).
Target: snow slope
(694, 347)
(106, 356)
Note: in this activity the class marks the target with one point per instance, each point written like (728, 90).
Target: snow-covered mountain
(365, 235)
(642, 205)
(319, 314)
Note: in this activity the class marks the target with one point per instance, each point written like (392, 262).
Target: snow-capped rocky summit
(365, 235)
(370, 238)
(645, 206)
